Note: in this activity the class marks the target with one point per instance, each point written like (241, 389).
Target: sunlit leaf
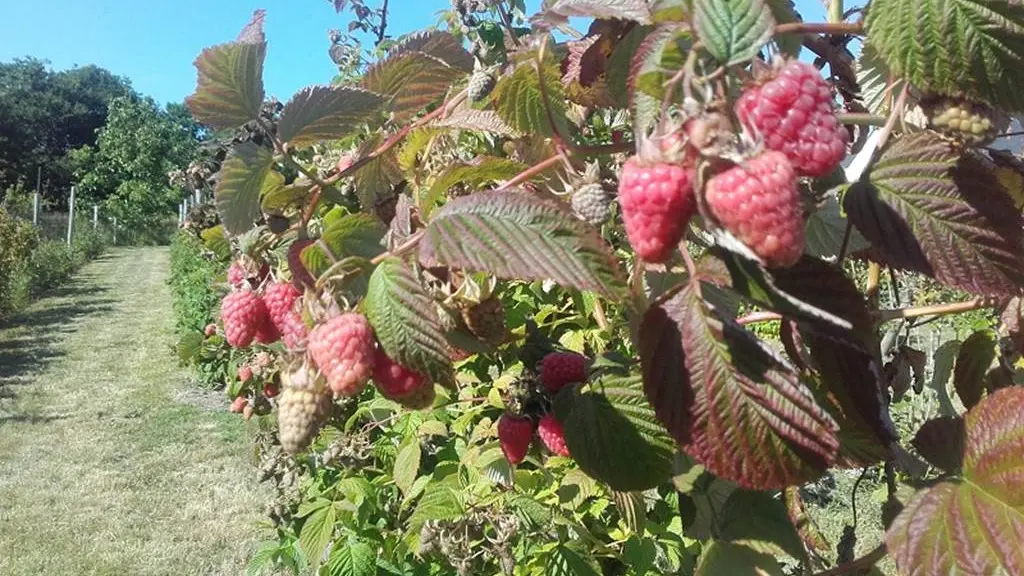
(733, 30)
(229, 87)
(324, 113)
(239, 182)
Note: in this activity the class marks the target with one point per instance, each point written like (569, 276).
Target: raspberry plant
(423, 221)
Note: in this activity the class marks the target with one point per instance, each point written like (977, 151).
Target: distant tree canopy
(45, 114)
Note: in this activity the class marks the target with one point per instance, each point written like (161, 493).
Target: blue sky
(154, 42)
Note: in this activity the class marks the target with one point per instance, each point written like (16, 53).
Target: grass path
(106, 466)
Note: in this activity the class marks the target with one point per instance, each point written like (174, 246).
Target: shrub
(192, 273)
(51, 264)
(17, 241)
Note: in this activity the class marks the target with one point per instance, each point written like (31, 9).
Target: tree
(127, 169)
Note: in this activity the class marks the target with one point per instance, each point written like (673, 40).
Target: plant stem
(599, 315)
(856, 565)
(384, 22)
(835, 11)
(820, 28)
(934, 309)
(506, 19)
(871, 291)
(861, 119)
(757, 317)
(400, 250)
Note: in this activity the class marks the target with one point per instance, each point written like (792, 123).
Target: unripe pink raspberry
(560, 368)
(243, 314)
(238, 404)
(280, 298)
(401, 384)
(552, 435)
(759, 203)
(343, 349)
(236, 275)
(793, 113)
(657, 202)
(244, 373)
(210, 329)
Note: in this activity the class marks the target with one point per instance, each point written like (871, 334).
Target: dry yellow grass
(102, 469)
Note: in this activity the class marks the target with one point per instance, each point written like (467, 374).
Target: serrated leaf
(729, 401)
(972, 524)
(317, 531)
(278, 196)
(189, 345)
(759, 520)
(632, 509)
(930, 209)
(481, 171)
(969, 47)
(239, 182)
(733, 30)
(441, 500)
(617, 68)
(405, 321)
(564, 561)
(659, 55)
(229, 86)
(352, 559)
(784, 12)
(478, 121)
(318, 113)
(973, 360)
(375, 179)
(813, 540)
(824, 231)
(358, 235)
(518, 100)
(613, 424)
(215, 241)
(407, 465)
(942, 369)
(720, 557)
(635, 10)
(513, 234)
(940, 441)
(532, 512)
(877, 86)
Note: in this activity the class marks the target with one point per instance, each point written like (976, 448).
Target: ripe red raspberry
(210, 330)
(267, 333)
(560, 368)
(236, 275)
(343, 349)
(270, 390)
(657, 203)
(399, 383)
(552, 435)
(300, 276)
(243, 314)
(244, 373)
(514, 436)
(760, 204)
(280, 298)
(793, 114)
(238, 405)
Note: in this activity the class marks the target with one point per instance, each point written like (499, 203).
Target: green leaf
(632, 509)
(352, 235)
(319, 113)
(316, 534)
(640, 555)
(825, 229)
(375, 180)
(215, 241)
(975, 357)
(405, 321)
(407, 464)
(736, 560)
(229, 87)
(239, 182)
(759, 520)
(478, 121)
(564, 561)
(635, 10)
(730, 402)
(518, 100)
(611, 424)
(971, 524)
(973, 48)
(418, 72)
(784, 12)
(931, 209)
(877, 86)
(617, 68)
(189, 345)
(733, 30)
(661, 53)
(352, 559)
(278, 196)
(940, 441)
(480, 171)
(440, 501)
(514, 234)
(806, 527)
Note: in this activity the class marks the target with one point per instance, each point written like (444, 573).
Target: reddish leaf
(728, 400)
(972, 363)
(940, 441)
(229, 86)
(636, 10)
(974, 524)
(1010, 322)
(810, 534)
(318, 113)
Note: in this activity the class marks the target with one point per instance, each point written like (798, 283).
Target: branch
(757, 317)
(854, 566)
(383, 22)
(854, 28)
(861, 119)
(506, 19)
(934, 309)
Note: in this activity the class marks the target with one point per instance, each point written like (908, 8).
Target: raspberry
(301, 409)
(238, 405)
(244, 373)
(243, 314)
(969, 122)
(552, 435)
(343, 350)
(514, 436)
(401, 384)
(300, 276)
(210, 330)
(592, 203)
(657, 202)
(267, 333)
(560, 368)
(270, 390)
(793, 114)
(236, 275)
(248, 411)
(760, 204)
(486, 320)
(280, 298)
(480, 84)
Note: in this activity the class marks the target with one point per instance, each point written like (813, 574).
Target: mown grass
(103, 469)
